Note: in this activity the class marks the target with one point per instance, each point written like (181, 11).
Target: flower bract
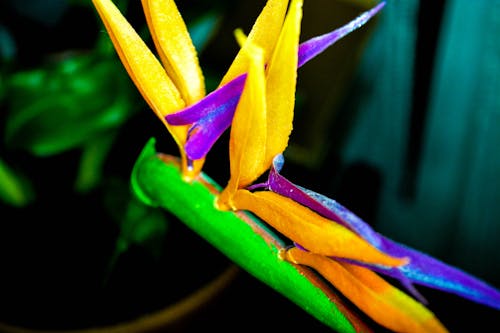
(256, 99)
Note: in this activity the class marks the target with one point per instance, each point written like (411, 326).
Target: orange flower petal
(175, 48)
(142, 66)
(247, 142)
(264, 34)
(384, 303)
(310, 230)
(149, 76)
(281, 80)
(259, 133)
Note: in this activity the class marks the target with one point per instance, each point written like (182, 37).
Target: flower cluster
(255, 99)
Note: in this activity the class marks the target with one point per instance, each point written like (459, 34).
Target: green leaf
(15, 189)
(139, 224)
(240, 236)
(61, 107)
(92, 161)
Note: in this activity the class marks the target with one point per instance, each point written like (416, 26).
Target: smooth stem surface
(242, 238)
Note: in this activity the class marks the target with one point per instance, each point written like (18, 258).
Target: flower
(328, 237)
(212, 115)
(256, 99)
(166, 88)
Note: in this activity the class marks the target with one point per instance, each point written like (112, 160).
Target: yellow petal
(175, 48)
(384, 303)
(143, 67)
(281, 81)
(310, 230)
(248, 130)
(240, 36)
(264, 34)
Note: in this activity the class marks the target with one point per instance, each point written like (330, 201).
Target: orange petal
(310, 230)
(175, 48)
(247, 141)
(281, 80)
(264, 34)
(384, 303)
(142, 66)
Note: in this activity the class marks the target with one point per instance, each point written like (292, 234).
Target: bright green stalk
(157, 181)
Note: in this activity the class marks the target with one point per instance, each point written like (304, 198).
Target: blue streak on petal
(422, 269)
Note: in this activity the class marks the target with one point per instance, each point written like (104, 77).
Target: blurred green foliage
(66, 104)
(15, 189)
(68, 113)
(78, 99)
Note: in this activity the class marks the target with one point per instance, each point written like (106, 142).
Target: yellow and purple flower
(255, 99)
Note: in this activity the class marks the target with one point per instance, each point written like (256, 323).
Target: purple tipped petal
(422, 268)
(216, 103)
(210, 117)
(393, 272)
(428, 271)
(433, 273)
(222, 102)
(320, 204)
(316, 45)
(204, 133)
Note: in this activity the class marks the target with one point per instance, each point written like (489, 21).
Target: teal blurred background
(399, 122)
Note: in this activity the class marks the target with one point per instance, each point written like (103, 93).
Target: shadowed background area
(398, 121)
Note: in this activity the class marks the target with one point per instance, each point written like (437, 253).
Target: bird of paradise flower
(256, 100)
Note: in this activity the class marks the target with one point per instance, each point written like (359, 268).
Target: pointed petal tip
(316, 45)
(175, 48)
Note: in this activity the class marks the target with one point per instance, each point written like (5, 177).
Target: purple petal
(390, 271)
(210, 117)
(316, 45)
(428, 271)
(322, 205)
(222, 102)
(217, 102)
(204, 133)
(433, 273)
(422, 268)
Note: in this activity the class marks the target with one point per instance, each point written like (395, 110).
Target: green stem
(241, 237)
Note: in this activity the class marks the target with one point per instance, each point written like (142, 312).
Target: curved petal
(221, 102)
(175, 48)
(218, 101)
(281, 78)
(264, 34)
(322, 205)
(314, 232)
(433, 273)
(249, 129)
(142, 66)
(210, 117)
(316, 45)
(384, 303)
(204, 133)
(422, 269)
